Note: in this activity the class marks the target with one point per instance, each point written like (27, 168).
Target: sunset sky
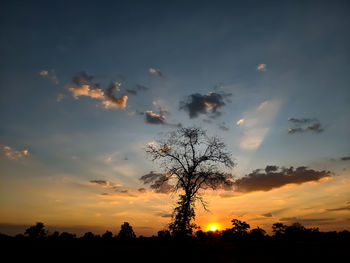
(85, 85)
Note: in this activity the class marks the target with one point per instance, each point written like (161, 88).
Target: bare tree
(190, 161)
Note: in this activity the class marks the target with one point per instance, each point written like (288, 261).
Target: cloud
(82, 85)
(240, 122)
(112, 101)
(154, 118)
(343, 208)
(158, 182)
(165, 215)
(156, 72)
(223, 126)
(274, 177)
(256, 124)
(305, 220)
(209, 104)
(131, 91)
(51, 75)
(261, 67)
(104, 184)
(12, 154)
(59, 97)
(267, 215)
(141, 87)
(304, 125)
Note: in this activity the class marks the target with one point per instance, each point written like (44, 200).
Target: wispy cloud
(304, 125)
(51, 75)
(223, 126)
(239, 122)
(256, 124)
(141, 87)
(59, 97)
(105, 184)
(155, 72)
(12, 154)
(261, 67)
(342, 208)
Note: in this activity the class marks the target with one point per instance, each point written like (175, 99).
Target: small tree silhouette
(240, 227)
(190, 161)
(107, 236)
(36, 232)
(126, 231)
(279, 229)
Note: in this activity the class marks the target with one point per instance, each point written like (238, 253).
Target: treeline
(240, 243)
(240, 231)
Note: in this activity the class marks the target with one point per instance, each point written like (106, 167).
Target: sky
(86, 85)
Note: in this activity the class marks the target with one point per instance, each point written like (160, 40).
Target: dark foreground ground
(326, 247)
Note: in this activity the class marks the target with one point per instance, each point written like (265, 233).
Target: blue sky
(270, 61)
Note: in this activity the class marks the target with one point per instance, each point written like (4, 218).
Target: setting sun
(213, 227)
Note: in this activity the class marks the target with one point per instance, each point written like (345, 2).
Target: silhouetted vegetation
(190, 161)
(288, 243)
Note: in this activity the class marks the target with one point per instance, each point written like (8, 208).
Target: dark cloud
(131, 91)
(283, 219)
(305, 220)
(155, 118)
(304, 125)
(100, 182)
(82, 78)
(302, 121)
(223, 126)
(113, 101)
(82, 85)
(344, 208)
(274, 177)
(155, 71)
(165, 215)
(141, 87)
(347, 158)
(105, 184)
(158, 182)
(209, 104)
(267, 215)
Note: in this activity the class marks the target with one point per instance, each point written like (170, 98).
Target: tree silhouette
(190, 161)
(278, 228)
(239, 226)
(126, 231)
(37, 231)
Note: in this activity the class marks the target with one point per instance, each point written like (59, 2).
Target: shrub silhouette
(36, 232)
(126, 232)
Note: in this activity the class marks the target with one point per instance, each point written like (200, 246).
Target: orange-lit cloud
(12, 154)
(51, 75)
(111, 101)
(261, 67)
(156, 72)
